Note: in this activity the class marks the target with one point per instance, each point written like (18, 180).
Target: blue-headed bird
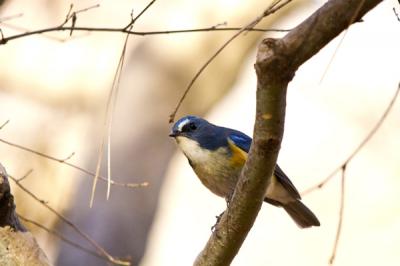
(217, 156)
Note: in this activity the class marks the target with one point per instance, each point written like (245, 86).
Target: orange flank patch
(239, 156)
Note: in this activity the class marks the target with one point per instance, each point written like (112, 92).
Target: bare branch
(62, 161)
(11, 17)
(87, 8)
(69, 157)
(44, 35)
(270, 10)
(61, 237)
(395, 13)
(100, 249)
(73, 21)
(276, 64)
(213, 28)
(341, 210)
(333, 56)
(110, 107)
(139, 15)
(71, 15)
(125, 29)
(25, 175)
(340, 42)
(68, 16)
(220, 25)
(4, 124)
(5, 40)
(360, 146)
(74, 16)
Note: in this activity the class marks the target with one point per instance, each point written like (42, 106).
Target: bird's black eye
(192, 126)
(189, 127)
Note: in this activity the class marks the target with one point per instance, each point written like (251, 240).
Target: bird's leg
(227, 200)
(218, 217)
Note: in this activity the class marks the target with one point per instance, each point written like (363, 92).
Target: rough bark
(17, 245)
(7, 206)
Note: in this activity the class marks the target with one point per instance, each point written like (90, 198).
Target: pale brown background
(54, 94)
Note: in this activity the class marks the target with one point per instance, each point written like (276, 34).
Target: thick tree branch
(277, 62)
(17, 246)
(8, 217)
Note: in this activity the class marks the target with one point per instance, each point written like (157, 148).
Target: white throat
(192, 149)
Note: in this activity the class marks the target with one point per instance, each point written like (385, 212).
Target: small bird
(217, 156)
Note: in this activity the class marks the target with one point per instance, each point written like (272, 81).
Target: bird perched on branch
(217, 156)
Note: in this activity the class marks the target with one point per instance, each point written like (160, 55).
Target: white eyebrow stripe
(182, 124)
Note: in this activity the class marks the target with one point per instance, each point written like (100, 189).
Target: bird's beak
(174, 134)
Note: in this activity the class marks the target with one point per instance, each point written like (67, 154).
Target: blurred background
(54, 89)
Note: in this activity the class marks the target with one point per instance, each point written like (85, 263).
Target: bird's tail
(302, 215)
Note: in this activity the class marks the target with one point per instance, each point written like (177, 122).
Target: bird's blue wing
(239, 144)
(241, 140)
(286, 183)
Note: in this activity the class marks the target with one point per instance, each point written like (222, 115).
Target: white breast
(192, 150)
(213, 168)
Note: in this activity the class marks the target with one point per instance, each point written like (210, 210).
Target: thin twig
(327, 67)
(221, 24)
(69, 157)
(270, 10)
(25, 175)
(61, 237)
(73, 22)
(116, 82)
(100, 249)
(97, 173)
(68, 16)
(139, 15)
(341, 210)
(395, 13)
(74, 16)
(360, 146)
(45, 35)
(62, 161)
(71, 15)
(107, 133)
(353, 19)
(4, 124)
(87, 8)
(213, 28)
(11, 17)
(125, 29)
(5, 40)
(110, 108)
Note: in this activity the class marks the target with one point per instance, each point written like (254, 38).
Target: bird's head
(196, 137)
(188, 127)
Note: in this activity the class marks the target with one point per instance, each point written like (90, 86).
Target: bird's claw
(218, 217)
